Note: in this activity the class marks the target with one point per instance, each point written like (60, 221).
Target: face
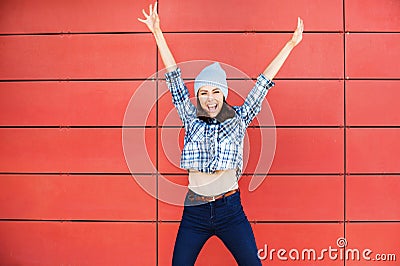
(211, 100)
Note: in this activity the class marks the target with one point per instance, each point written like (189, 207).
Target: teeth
(212, 107)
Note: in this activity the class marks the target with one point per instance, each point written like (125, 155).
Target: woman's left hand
(298, 34)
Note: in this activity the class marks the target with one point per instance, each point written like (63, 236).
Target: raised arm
(178, 89)
(252, 104)
(152, 21)
(276, 64)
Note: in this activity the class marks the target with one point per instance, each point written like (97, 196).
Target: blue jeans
(223, 218)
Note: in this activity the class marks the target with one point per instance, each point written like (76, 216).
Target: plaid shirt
(211, 146)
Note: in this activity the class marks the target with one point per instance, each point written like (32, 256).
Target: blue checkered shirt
(211, 146)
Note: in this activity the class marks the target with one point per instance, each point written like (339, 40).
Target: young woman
(213, 151)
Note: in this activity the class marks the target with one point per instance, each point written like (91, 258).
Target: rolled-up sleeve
(180, 96)
(252, 105)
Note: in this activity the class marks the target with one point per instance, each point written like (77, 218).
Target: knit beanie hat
(212, 75)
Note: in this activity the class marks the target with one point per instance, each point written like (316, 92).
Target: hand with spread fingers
(151, 20)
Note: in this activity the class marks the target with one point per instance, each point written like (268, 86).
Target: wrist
(157, 31)
(291, 44)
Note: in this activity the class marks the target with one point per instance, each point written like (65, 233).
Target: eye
(216, 91)
(203, 93)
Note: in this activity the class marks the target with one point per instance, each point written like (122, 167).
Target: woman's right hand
(152, 20)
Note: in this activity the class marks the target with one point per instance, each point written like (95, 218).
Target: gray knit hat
(212, 75)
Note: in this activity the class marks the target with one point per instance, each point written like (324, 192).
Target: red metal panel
(170, 145)
(215, 252)
(75, 197)
(372, 15)
(252, 53)
(373, 150)
(77, 56)
(166, 240)
(372, 55)
(373, 198)
(299, 150)
(76, 103)
(381, 238)
(294, 198)
(305, 103)
(76, 150)
(252, 15)
(372, 102)
(66, 243)
(43, 16)
(171, 209)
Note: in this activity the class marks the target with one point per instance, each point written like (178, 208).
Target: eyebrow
(213, 90)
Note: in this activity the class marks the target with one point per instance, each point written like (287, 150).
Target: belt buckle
(213, 199)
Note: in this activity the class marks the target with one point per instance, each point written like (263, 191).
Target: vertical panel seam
(345, 125)
(157, 152)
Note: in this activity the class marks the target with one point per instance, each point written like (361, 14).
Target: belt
(196, 197)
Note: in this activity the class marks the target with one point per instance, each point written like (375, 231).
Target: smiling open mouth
(212, 108)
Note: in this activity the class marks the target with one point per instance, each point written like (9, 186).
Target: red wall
(69, 68)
